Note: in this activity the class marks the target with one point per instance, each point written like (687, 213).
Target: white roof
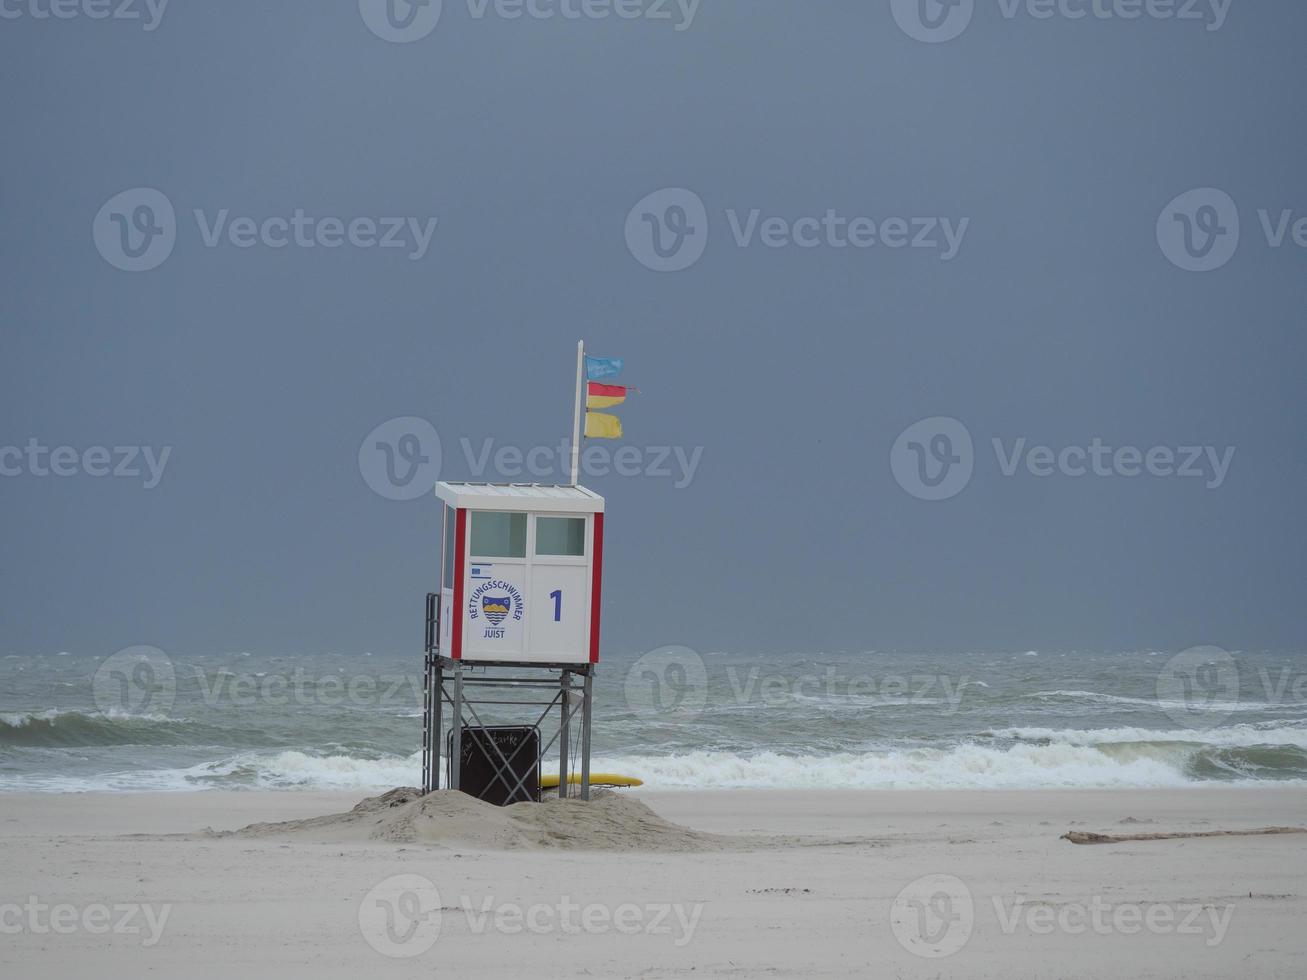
(530, 497)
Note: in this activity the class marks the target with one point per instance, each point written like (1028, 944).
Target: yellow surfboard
(596, 779)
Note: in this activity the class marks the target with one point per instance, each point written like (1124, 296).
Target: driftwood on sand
(1083, 837)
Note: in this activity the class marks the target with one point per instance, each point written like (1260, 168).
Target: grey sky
(1059, 319)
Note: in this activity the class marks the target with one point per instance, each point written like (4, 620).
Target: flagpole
(576, 417)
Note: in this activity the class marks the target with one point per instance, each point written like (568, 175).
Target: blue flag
(599, 368)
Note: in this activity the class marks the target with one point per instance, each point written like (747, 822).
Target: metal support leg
(566, 681)
(587, 693)
(456, 751)
(426, 723)
(437, 724)
(431, 695)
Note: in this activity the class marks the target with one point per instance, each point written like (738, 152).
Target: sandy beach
(729, 883)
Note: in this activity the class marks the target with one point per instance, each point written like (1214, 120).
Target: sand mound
(608, 822)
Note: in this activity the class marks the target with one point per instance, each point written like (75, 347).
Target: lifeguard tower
(515, 622)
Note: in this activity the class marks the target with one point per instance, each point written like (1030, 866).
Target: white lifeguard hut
(520, 588)
(520, 573)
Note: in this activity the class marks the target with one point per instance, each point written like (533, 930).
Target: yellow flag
(600, 425)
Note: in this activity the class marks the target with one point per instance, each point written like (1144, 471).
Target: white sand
(285, 901)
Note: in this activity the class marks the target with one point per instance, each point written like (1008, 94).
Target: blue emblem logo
(491, 605)
(496, 608)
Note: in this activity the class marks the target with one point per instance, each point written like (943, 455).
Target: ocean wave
(1216, 707)
(298, 769)
(1024, 765)
(966, 766)
(69, 729)
(1287, 732)
(290, 769)
(287, 770)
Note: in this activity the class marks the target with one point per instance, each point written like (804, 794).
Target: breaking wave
(1059, 765)
(81, 728)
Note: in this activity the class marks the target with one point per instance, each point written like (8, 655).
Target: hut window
(498, 534)
(560, 536)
